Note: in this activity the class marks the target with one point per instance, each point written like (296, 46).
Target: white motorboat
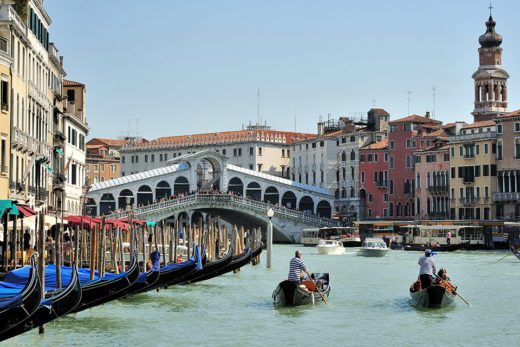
(330, 247)
(373, 247)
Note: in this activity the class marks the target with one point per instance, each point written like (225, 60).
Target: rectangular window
(446, 157)
(146, 158)
(376, 158)
(152, 158)
(352, 139)
(252, 151)
(393, 128)
(460, 151)
(234, 152)
(165, 156)
(362, 177)
(123, 159)
(477, 171)
(485, 169)
(5, 95)
(313, 145)
(385, 197)
(493, 170)
(452, 149)
(322, 143)
(73, 174)
(386, 156)
(160, 157)
(136, 158)
(240, 152)
(486, 148)
(452, 172)
(517, 127)
(499, 128)
(224, 151)
(392, 144)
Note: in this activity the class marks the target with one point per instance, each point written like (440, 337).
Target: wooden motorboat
(330, 247)
(19, 302)
(57, 304)
(289, 293)
(373, 247)
(435, 296)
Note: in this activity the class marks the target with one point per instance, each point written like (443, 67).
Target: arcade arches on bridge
(289, 200)
(144, 195)
(163, 190)
(208, 173)
(253, 191)
(107, 204)
(91, 207)
(236, 186)
(306, 205)
(271, 195)
(324, 209)
(181, 185)
(125, 196)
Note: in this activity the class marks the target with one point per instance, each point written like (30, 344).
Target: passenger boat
(330, 247)
(289, 293)
(373, 247)
(435, 296)
(57, 304)
(434, 237)
(19, 301)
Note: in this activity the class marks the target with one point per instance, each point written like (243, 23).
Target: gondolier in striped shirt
(296, 267)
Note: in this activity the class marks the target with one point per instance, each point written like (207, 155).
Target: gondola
(56, 305)
(515, 248)
(256, 251)
(289, 293)
(435, 296)
(109, 287)
(210, 269)
(175, 273)
(146, 279)
(19, 302)
(440, 248)
(237, 262)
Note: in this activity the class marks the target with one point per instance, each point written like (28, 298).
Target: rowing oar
(318, 289)
(507, 255)
(455, 291)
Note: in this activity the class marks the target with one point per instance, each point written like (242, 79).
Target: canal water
(368, 305)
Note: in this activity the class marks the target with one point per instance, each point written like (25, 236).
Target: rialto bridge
(204, 183)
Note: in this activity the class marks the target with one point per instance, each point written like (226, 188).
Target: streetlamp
(270, 214)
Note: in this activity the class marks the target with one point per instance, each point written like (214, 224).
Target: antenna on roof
(294, 118)
(137, 127)
(434, 94)
(258, 107)
(408, 98)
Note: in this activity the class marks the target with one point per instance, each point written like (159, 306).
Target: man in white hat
(427, 269)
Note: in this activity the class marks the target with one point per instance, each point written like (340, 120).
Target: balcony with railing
(438, 189)
(383, 184)
(58, 181)
(506, 196)
(489, 135)
(469, 200)
(468, 179)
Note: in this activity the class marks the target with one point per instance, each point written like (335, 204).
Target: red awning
(135, 221)
(26, 211)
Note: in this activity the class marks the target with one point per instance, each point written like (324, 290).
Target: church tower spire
(490, 79)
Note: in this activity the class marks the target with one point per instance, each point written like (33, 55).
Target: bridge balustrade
(201, 199)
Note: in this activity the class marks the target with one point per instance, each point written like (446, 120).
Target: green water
(368, 305)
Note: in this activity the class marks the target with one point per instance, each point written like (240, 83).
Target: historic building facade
(255, 148)
(5, 117)
(507, 195)
(103, 159)
(373, 180)
(76, 130)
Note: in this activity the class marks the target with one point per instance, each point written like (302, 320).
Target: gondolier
(427, 269)
(296, 266)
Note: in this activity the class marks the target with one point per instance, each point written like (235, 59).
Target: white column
(510, 185)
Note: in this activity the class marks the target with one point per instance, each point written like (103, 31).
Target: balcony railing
(468, 179)
(506, 196)
(473, 137)
(469, 200)
(438, 189)
(382, 184)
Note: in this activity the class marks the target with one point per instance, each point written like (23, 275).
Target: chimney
(321, 128)
(427, 114)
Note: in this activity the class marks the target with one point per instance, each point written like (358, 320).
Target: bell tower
(490, 79)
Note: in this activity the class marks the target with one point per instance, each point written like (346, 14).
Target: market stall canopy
(48, 222)
(8, 205)
(26, 211)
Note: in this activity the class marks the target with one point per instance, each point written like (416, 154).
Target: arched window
(499, 150)
(352, 155)
(517, 149)
(352, 193)
(428, 180)
(344, 156)
(344, 173)
(391, 209)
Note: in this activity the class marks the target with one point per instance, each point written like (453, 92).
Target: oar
(456, 292)
(318, 289)
(507, 255)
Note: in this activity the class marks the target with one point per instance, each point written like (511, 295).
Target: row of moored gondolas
(33, 295)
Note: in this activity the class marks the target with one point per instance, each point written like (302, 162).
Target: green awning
(6, 204)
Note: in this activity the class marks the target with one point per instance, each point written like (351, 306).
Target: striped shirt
(295, 268)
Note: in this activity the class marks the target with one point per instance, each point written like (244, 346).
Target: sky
(167, 67)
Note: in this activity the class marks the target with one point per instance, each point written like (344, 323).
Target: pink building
(406, 136)
(432, 166)
(373, 180)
